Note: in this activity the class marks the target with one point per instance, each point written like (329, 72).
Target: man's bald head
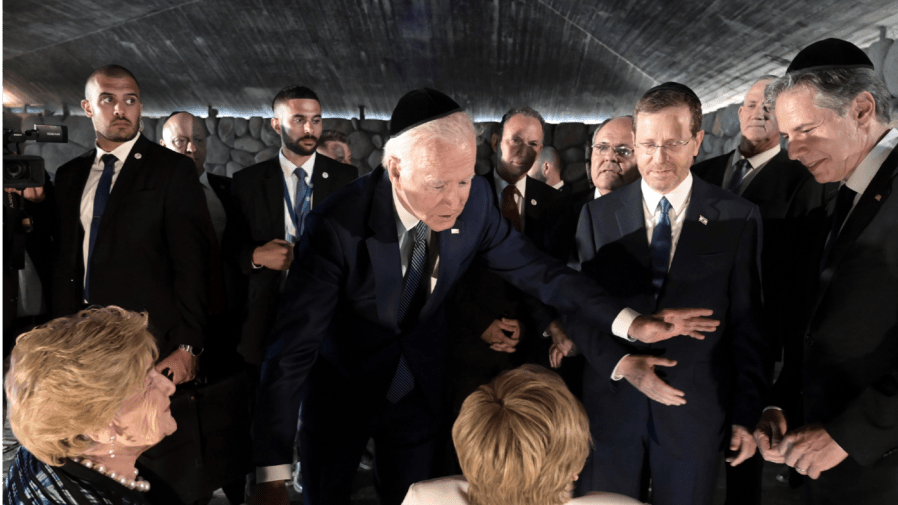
(186, 134)
(108, 71)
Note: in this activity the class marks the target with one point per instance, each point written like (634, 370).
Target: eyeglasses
(672, 147)
(623, 152)
(180, 142)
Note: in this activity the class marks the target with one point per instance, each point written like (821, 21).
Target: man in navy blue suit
(672, 240)
(359, 337)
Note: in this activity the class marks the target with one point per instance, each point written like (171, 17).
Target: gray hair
(456, 129)
(836, 88)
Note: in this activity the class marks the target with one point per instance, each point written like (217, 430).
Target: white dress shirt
(216, 209)
(90, 189)
(866, 170)
(757, 162)
(287, 167)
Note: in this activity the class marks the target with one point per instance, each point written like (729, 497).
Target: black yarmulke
(674, 86)
(418, 107)
(830, 53)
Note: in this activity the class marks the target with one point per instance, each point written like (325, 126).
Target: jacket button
(808, 340)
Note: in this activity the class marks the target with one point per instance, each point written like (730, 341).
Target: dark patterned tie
(742, 168)
(100, 199)
(510, 206)
(844, 202)
(660, 248)
(413, 293)
(303, 200)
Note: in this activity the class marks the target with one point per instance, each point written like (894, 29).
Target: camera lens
(15, 169)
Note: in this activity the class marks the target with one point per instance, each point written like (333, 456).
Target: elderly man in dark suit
(668, 241)
(360, 333)
(788, 197)
(273, 198)
(842, 429)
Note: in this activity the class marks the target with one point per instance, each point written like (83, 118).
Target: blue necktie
(412, 294)
(742, 168)
(660, 248)
(100, 199)
(303, 200)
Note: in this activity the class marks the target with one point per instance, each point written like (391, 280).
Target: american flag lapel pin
(702, 219)
(454, 231)
(878, 198)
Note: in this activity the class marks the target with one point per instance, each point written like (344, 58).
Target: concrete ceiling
(573, 60)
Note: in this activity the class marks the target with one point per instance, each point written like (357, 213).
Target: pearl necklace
(135, 483)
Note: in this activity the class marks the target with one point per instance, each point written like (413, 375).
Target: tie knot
(664, 204)
(743, 164)
(510, 191)
(420, 232)
(300, 173)
(108, 160)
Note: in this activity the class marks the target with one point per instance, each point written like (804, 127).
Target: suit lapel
(864, 211)
(630, 220)
(124, 183)
(383, 249)
(322, 182)
(696, 236)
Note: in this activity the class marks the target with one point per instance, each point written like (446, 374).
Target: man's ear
(276, 125)
(864, 108)
(494, 141)
(87, 110)
(391, 164)
(698, 141)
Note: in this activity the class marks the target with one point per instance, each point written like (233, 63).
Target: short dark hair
(293, 93)
(524, 111)
(111, 71)
(836, 88)
(658, 99)
(332, 136)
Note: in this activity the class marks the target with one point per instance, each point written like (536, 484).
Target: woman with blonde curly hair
(85, 402)
(521, 440)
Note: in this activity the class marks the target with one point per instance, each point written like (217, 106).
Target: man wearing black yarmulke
(840, 425)
(365, 297)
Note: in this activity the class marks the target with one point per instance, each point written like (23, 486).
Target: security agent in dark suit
(547, 169)
(788, 197)
(270, 213)
(359, 336)
(667, 241)
(134, 231)
(494, 326)
(844, 432)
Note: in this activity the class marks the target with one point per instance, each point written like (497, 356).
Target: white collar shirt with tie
(679, 201)
(866, 170)
(521, 185)
(287, 167)
(405, 223)
(90, 189)
(216, 209)
(757, 162)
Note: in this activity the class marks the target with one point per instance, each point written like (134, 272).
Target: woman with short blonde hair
(522, 440)
(84, 402)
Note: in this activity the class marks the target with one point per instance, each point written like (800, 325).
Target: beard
(120, 135)
(296, 147)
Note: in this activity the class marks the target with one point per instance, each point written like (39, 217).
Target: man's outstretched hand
(672, 322)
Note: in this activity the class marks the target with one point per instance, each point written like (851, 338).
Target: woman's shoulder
(604, 499)
(447, 490)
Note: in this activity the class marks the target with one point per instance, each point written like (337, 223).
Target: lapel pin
(533, 202)
(702, 219)
(138, 156)
(454, 231)
(324, 174)
(877, 198)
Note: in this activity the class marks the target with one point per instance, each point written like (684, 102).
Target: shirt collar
(502, 183)
(865, 171)
(204, 179)
(121, 152)
(404, 218)
(761, 158)
(677, 198)
(288, 166)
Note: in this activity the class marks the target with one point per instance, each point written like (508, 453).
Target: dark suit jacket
(152, 248)
(259, 191)
(849, 376)
(483, 296)
(715, 265)
(344, 289)
(789, 199)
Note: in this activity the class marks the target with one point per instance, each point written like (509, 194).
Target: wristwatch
(189, 348)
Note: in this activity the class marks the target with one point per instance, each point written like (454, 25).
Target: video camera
(23, 171)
